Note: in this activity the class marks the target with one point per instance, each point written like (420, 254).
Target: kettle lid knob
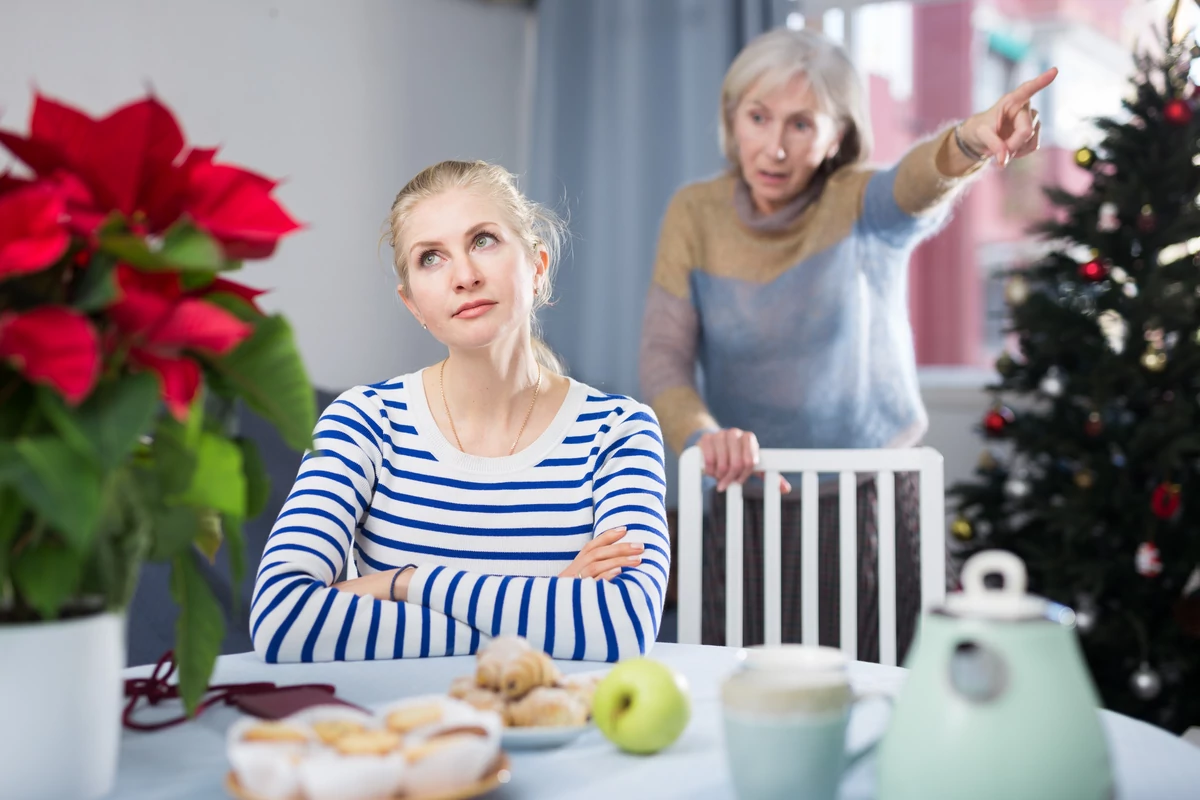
(1009, 602)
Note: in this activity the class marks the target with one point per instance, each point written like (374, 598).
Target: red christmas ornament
(1148, 561)
(1177, 112)
(1165, 500)
(997, 420)
(82, 258)
(1093, 270)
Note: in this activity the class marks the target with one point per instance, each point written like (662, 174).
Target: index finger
(608, 537)
(1023, 93)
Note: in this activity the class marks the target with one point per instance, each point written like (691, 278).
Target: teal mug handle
(853, 759)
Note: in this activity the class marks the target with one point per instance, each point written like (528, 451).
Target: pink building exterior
(946, 282)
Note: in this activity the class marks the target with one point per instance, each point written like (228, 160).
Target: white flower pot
(60, 703)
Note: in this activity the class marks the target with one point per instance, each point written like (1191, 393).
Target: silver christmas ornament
(1016, 488)
(1085, 614)
(1051, 385)
(1145, 682)
(1108, 220)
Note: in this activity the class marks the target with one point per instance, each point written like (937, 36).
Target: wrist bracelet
(392, 588)
(966, 149)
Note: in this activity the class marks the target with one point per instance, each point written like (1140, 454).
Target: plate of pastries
(422, 748)
(537, 704)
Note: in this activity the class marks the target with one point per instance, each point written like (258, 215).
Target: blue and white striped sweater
(488, 534)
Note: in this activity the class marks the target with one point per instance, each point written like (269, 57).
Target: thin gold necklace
(537, 387)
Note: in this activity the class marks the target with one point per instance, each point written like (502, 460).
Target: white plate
(542, 737)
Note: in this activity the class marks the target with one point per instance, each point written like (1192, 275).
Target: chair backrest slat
(882, 465)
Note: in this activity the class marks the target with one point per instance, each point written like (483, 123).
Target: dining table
(188, 761)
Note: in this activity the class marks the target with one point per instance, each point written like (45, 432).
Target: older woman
(787, 278)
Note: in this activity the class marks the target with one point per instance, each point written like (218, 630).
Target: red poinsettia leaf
(32, 236)
(147, 299)
(41, 157)
(131, 150)
(126, 159)
(239, 290)
(198, 156)
(197, 325)
(62, 128)
(236, 206)
(10, 182)
(178, 378)
(53, 345)
(248, 250)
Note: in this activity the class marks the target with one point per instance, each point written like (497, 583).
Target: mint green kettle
(998, 703)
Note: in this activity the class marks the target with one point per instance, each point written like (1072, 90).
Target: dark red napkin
(262, 699)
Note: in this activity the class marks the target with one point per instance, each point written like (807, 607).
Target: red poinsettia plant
(124, 349)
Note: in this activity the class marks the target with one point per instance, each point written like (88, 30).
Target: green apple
(641, 705)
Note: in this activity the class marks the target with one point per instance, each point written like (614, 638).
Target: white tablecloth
(188, 761)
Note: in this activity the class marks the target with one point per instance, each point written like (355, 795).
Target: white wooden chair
(884, 464)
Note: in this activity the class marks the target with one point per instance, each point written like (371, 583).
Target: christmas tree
(1092, 471)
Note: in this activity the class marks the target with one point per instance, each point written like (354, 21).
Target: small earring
(423, 325)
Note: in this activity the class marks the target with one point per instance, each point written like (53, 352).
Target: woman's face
(782, 137)
(470, 278)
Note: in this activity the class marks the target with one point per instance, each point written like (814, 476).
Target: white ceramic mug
(786, 709)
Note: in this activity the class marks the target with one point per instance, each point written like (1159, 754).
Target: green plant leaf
(237, 557)
(98, 287)
(65, 422)
(117, 414)
(269, 374)
(47, 575)
(194, 424)
(174, 528)
(173, 462)
(11, 465)
(186, 247)
(258, 482)
(210, 534)
(218, 482)
(238, 306)
(11, 512)
(123, 539)
(129, 248)
(63, 488)
(198, 631)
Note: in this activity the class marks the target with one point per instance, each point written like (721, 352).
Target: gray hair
(777, 56)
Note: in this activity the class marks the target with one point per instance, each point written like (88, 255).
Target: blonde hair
(779, 55)
(537, 227)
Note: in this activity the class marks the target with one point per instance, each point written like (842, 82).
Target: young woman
(487, 494)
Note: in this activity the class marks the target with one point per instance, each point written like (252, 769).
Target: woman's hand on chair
(731, 456)
(605, 556)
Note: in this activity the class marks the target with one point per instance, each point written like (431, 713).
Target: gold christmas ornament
(987, 461)
(1016, 290)
(961, 529)
(1085, 157)
(1154, 360)
(1084, 479)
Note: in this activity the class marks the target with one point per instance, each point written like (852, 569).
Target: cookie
(368, 743)
(330, 731)
(274, 732)
(408, 718)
